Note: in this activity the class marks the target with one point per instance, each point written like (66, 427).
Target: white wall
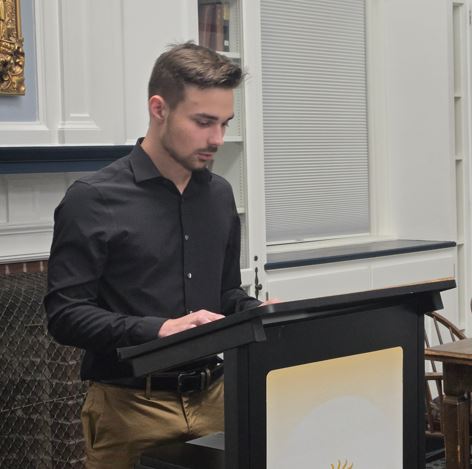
(417, 95)
(27, 203)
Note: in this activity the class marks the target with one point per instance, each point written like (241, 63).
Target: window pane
(315, 118)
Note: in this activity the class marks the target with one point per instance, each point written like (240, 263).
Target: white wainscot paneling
(366, 274)
(316, 281)
(420, 267)
(413, 268)
(3, 202)
(27, 204)
(24, 243)
(22, 202)
(32, 197)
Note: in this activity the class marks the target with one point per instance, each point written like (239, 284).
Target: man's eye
(204, 123)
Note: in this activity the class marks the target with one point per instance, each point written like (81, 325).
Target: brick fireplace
(40, 390)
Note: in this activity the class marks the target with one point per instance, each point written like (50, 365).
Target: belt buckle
(205, 379)
(204, 382)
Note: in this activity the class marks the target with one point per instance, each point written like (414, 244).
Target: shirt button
(189, 275)
(186, 237)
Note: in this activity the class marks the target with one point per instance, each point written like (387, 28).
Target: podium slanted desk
(321, 383)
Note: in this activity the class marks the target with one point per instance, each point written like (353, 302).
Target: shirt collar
(144, 169)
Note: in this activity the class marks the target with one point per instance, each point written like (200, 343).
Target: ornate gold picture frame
(12, 55)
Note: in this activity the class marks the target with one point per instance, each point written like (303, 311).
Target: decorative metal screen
(40, 391)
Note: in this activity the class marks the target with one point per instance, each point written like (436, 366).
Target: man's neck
(166, 165)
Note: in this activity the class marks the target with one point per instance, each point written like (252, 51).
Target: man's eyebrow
(203, 115)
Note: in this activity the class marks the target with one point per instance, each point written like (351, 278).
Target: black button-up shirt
(129, 252)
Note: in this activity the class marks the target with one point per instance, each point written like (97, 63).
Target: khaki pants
(120, 423)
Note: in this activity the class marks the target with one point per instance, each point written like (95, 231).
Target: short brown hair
(191, 64)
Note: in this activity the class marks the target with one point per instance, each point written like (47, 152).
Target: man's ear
(158, 107)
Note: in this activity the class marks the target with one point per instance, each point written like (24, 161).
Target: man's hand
(172, 326)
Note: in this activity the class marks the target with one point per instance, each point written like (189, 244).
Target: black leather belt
(186, 381)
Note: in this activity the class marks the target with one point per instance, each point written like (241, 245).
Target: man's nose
(217, 136)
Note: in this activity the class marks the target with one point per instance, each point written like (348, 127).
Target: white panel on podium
(340, 413)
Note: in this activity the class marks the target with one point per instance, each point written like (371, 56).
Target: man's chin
(203, 166)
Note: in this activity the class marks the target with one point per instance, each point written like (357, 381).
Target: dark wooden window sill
(352, 252)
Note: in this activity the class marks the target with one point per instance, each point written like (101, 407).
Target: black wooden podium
(278, 356)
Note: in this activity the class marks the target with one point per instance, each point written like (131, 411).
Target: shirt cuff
(248, 303)
(147, 329)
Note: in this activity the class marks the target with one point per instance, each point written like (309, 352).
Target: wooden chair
(442, 331)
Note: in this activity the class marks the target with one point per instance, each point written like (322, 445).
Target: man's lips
(205, 156)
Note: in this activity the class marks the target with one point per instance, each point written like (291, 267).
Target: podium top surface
(256, 318)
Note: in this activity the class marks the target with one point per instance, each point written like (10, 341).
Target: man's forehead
(212, 103)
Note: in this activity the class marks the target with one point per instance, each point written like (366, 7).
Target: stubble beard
(189, 162)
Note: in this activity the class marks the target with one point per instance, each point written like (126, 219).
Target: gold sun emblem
(342, 466)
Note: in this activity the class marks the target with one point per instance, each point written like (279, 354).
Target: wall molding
(26, 228)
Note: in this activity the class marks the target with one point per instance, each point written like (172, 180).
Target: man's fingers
(172, 326)
(203, 317)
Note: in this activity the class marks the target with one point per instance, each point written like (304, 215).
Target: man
(147, 247)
